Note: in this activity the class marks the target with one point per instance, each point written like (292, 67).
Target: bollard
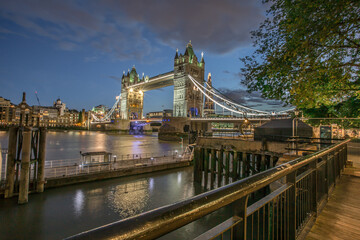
(41, 161)
(10, 168)
(25, 164)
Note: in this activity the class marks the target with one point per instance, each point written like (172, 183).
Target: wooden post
(25, 164)
(253, 163)
(41, 161)
(212, 167)
(206, 167)
(272, 161)
(10, 168)
(262, 163)
(244, 165)
(235, 166)
(227, 166)
(220, 166)
(197, 171)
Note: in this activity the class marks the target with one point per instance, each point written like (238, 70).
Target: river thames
(61, 212)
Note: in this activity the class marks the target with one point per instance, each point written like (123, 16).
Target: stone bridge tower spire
(188, 100)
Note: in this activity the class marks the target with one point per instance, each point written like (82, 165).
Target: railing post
(337, 164)
(327, 181)
(345, 153)
(291, 179)
(239, 209)
(314, 186)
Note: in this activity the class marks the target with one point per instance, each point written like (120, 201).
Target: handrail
(160, 221)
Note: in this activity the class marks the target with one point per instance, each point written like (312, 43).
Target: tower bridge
(194, 98)
(188, 101)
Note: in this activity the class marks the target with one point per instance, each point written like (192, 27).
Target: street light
(296, 112)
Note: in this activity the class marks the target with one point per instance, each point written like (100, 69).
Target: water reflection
(151, 184)
(179, 177)
(129, 199)
(78, 202)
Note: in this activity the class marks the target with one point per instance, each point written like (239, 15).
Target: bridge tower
(132, 99)
(188, 100)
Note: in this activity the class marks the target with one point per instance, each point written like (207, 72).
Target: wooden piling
(206, 166)
(212, 167)
(25, 166)
(253, 163)
(227, 166)
(220, 166)
(235, 166)
(10, 168)
(245, 165)
(41, 161)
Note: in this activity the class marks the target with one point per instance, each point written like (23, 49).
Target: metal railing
(73, 167)
(77, 161)
(281, 214)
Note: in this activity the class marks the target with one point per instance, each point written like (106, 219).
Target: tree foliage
(308, 53)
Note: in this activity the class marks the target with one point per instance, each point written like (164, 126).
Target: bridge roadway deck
(340, 219)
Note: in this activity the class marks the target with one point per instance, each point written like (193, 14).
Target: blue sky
(77, 50)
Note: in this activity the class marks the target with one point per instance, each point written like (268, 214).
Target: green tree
(307, 53)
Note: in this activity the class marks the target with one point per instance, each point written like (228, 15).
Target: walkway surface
(340, 219)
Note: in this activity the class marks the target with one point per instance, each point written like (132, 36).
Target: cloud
(128, 29)
(215, 26)
(72, 25)
(252, 99)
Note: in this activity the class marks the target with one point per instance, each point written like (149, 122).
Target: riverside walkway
(340, 219)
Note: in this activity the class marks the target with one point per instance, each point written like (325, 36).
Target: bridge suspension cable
(106, 118)
(228, 100)
(231, 106)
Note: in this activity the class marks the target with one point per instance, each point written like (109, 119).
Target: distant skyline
(78, 50)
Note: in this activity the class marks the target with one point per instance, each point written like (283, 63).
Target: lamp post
(295, 133)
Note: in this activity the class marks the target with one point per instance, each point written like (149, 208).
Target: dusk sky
(78, 50)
